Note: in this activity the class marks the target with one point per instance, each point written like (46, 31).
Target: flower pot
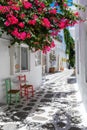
(62, 68)
(52, 70)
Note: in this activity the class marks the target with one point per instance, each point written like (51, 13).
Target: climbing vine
(70, 47)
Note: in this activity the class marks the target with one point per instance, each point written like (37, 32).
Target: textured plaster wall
(34, 76)
(81, 40)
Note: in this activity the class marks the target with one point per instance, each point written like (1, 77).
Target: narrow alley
(56, 105)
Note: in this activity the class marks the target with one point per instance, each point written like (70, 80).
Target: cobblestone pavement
(54, 107)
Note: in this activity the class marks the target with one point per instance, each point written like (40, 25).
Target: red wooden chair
(25, 89)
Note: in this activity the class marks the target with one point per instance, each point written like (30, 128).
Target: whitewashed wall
(81, 55)
(4, 66)
(60, 53)
(34, 76)
(82, 74)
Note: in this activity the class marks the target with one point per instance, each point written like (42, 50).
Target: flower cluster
(34, 23)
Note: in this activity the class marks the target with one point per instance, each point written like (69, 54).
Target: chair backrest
(22, 78)
(8, 84)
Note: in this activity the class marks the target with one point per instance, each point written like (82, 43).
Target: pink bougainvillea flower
(1, 8)
(15, 7)
(23, 35)
(15, 32)
(52, 11)
(46, 49)
(35, 17)
(27, 5)
(65, 5)
(45, 22)
(32, 22)
(76, 14)
(28, 35)
(52, 44)
(42, 5)
(10, 3)
(54, 32)
(36, 2)
(4, 9)
(7, 23)
(21, 25)
(19, 35)
(63, 23)
(40, 10)
(12, 19)
(22, 16)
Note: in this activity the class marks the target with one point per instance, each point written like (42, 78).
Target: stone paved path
(54, 107)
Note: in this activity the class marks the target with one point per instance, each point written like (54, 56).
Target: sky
(69, 3)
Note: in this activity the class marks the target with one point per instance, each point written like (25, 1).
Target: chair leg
(7, 98)
(17, 98)
(32, 91)
(21, 92)
(27, 93)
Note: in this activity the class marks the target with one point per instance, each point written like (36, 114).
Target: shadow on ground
(53, 107)
(72, 79)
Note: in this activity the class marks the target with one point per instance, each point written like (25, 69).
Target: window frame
(38, 58)
(28, 58)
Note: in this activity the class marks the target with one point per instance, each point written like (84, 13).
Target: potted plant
(52, 62)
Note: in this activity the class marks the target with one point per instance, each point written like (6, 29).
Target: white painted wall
(81, 76)
(60, 53)
(81, 60)
(4, 66)
(34, 76)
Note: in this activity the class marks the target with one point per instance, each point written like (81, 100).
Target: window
(24, 58)
(37, 58)
(20, 59)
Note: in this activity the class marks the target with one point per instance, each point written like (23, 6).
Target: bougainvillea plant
(34, 22)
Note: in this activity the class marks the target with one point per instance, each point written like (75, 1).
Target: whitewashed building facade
(14, 61)
(19, 60)
(60, 55)
(81, 54)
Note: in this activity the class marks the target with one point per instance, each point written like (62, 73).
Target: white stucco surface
(34, 75)
(4, 66)
(81, 55)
